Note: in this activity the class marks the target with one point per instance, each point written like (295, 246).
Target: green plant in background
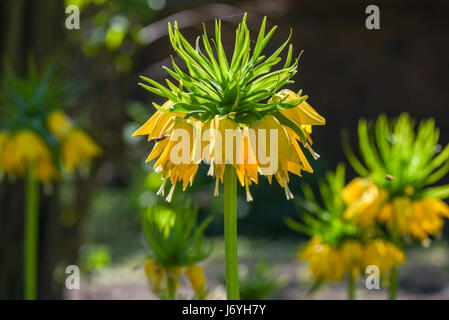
(394, 190)
(237, 94)
(38, 142)
(259, 283)
(175, 247)
(338, 247)
(95, 257)
(114, 30)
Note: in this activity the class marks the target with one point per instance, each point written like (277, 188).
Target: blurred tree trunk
(29, 27)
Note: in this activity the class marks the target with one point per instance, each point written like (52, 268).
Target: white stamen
(315, 155)
(211, 168)
(288, 193)
(158, 169)
(160, 192)
(170, 194)
(217, 185)
(249, 198)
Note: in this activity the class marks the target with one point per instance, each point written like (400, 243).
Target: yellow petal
(196, 277)
(302, 114)
(308, 115)
(59, 124)
(148, 126)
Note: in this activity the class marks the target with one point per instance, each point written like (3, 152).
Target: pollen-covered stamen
(170, 194)
(315, 155)
(160, 192)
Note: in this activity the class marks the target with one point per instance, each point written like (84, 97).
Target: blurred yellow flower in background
(394, 190)
(59, 124)
(383, 254)
(38, 142)
(401, 162)
(417, 218)
(195, 273)
(325, 261)
(46, 172)
(364, 200)
(175, 246)
(158, 277)
(77, 147)
(24, 149)
(368, 204)
(328, 262)
(340, 246)
(155, 274)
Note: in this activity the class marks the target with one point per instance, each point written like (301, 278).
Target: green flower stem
(351, 286)
(393, 283)
(31, 236)
(171, 286)
(394, 270)
(230, 230)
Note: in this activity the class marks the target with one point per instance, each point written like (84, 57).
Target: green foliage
(113, 30)
(215, 86)
(325, 220)
(95, 257)
(399, 159)
(173, 237)
(259, 283)
(25, 102)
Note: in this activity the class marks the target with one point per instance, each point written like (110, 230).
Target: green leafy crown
(26, 101)
(326, 220)
(400, 159)
(173, 236)
(213, 86)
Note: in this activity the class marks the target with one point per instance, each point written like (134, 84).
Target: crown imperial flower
(35, 133)
(338, 247)
(241, 100)
(394, 189)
